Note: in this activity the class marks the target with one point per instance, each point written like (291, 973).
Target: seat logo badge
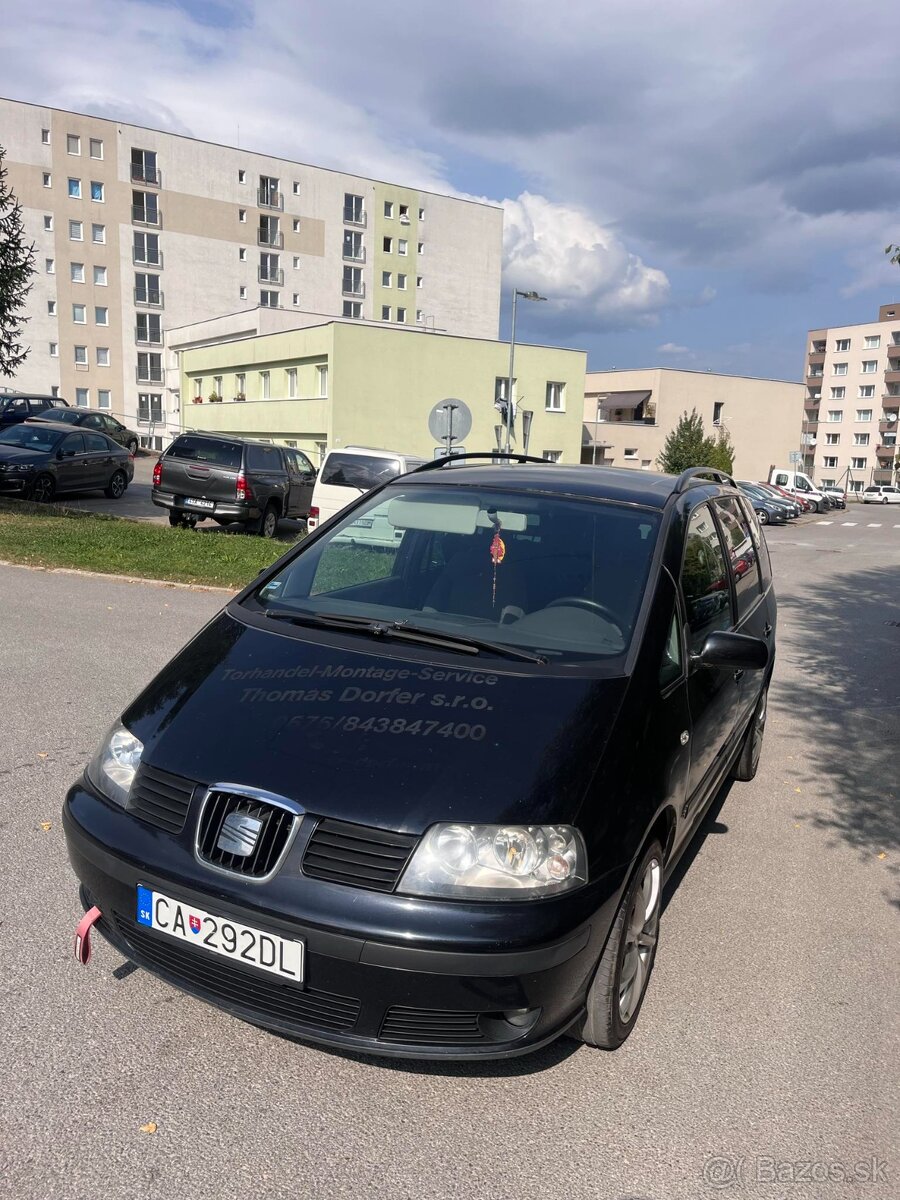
(685, 738)
(239, 834)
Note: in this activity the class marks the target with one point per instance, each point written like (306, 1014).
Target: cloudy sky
(694, 183)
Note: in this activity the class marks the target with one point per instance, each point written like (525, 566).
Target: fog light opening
(513, 1023)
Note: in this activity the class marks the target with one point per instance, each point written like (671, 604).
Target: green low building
(343, 383)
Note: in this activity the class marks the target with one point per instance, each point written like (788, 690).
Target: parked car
(881, 494)
(16, 407)
(804, 504)
(799, 484)
(232, 479)
(769, 511)
(41, 460)
(425, 802)
(836, 495)
(762, 492)
(88, 418)
(347, 474)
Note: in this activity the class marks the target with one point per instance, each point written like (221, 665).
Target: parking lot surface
(764, 1061)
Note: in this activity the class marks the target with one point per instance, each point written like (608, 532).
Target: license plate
(362, 523)
(265, 951)
(200, 503)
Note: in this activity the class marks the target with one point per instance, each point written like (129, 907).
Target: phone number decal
(460, 730)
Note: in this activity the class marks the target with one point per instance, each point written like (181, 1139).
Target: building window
(552, 455)
(421, 214)
(48, 223)
(149, 367)
(385, 312)
(872, 341)
(268, 299)
(82, 397)
(291, 373)
(389, 208)
(419, 316)
(631, 452)
(352, 284)
(401, 282)
(146, 248)
(835, 414)
(96, 146)
(73, 143)
(150, 406)
(861, 439)
(101, 315)
(242, 254)
(832, 439)
(103, 356)
(47, 179)
(402, 246)
(50, 266)
(295, 262)
(718, 405)
(268, 194)
(829, 461)
(79, 314)
(869, 366)
(295, 299)
(386, 277)
(54, 350)
(420, 247)
(198, 388)
(555, 397)
(81, 355)
(100, 276)
(45, 137)
(858, 464)
(75, 189)
(240, 386)
(97, 190)
(501, 386)
(104, 398)
(401, 315)
(419, 281)
(242, 215)
(51, 308)
(864, 414)
(149, 329)
(264, 384)
(867, 391)
(144, 207)
(404, 213)
(76, 272)
(856, 485)
(295, 224)
(840, 368)
(842, 345)
(354, 213)
(242, 293)
(296, 187)
(353, 309)
(98, 234)
(242, 176)
(837, 393)
(217, 385)
(322, 380)
(76, 231)
(387, 245)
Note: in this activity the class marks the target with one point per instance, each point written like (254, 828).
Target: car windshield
(208, 450)
(31, 437)
(360, 471)
(525, 572)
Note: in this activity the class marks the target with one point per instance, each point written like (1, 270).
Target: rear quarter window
(358, 471)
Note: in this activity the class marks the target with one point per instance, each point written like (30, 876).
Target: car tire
(884, 499)
(179, 519)
(42, 489)
(117, 487)
(132, 447)
(747, 762)
(620, 981)
(762, 516)
(267, 525)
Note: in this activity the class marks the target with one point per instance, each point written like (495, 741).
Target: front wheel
(747, 763)
(117, 485)
(884, 499)
(132, 447)
(762, 516)
(620, 982)
(43, 489)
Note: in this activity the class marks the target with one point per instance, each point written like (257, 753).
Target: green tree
(688, 446)
(894, 252)
(16, 271)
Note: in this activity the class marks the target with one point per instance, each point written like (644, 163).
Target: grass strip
(53, 536)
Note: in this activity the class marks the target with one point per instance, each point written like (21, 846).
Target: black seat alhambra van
(420, 797)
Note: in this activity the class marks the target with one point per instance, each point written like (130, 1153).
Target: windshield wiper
(404, 631)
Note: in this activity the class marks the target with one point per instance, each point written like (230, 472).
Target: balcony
(882, 475)
(894, 352)
(147, 337)
(818, 347)
(140, 215)
(892, 377)
(814, 379)
(816, 357)
(811, 426)
(812, 403)
(886, 450)
(354, 216)
(888, 425)
(357, 290)
(269, 198)
(268, 237)
(147, 175)
(148, 374)
(153, 299)
(271, 275)
(809, 439)
(357, 256)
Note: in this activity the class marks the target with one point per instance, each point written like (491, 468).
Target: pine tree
(16, 271)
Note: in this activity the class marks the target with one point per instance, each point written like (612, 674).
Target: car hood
(444, 738)
(21, 455)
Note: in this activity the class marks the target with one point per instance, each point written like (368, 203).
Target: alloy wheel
(642, 931)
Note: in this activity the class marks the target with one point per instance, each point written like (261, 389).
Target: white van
(799, 484)
(348, 473)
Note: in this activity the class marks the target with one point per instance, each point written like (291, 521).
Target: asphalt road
(765, 1059)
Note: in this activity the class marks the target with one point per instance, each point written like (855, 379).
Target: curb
(164, 583)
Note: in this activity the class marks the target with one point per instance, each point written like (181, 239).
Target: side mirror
(733, 651)
(59, 455)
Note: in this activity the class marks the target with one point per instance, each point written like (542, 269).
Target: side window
(93, 421)
(742, 553)
(781, 479)
(304, 466)
(96, 442)
(38, 406)
(762, 550)
(20, 406)
(263, 458)
(73, 444)
(704, 578)
(670, 667)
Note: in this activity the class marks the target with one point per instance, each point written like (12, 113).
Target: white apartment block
(137, 231)
(852, 402)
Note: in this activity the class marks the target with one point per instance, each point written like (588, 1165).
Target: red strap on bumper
(83, 934)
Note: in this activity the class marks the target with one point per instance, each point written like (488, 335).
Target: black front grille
(357, 855)
(250, 991)
(160, 799)
(431, 1027)
(268, 839)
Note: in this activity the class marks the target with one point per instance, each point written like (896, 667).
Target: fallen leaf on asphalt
(45, 825)
(796, 789)
(882, 855)
(796, 826)
(43, 753)
(150, 1127)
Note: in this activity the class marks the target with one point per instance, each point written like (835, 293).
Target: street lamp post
(512, 359)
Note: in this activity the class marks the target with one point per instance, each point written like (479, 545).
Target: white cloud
(672, 348)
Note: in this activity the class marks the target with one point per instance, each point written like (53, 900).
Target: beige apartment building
(852, 402)
(137, 231)
(629, 414)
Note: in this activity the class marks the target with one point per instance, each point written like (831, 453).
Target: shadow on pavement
(844, 631)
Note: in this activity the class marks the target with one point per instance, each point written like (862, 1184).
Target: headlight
(496, 862)
(113, 767)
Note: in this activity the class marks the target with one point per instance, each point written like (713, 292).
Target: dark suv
(19, 406)
(422, 798)
(232, 479)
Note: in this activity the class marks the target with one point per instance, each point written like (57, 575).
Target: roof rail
(493, 455)
(695, 475)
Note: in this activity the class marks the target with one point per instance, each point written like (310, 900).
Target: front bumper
(483, 993)
(15, 485)
(232, 510)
